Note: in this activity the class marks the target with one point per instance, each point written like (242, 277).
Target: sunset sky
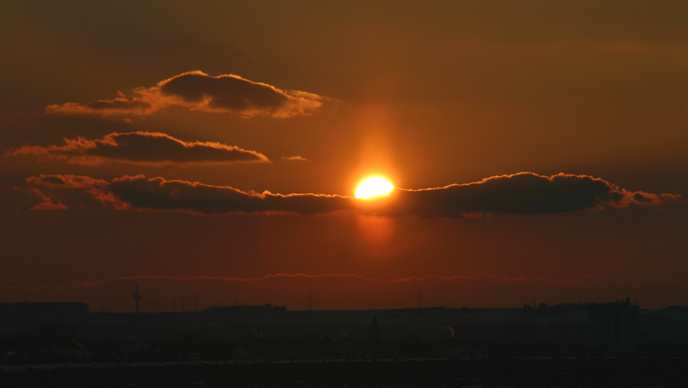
(538, 150)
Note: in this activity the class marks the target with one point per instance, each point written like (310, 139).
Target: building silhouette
(614, 326)
(374, 329)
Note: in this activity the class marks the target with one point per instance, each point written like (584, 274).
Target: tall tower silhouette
(137, 297)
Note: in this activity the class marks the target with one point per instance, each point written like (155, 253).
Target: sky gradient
(539, 152)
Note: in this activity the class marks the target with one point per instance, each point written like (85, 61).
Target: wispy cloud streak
(147, 148)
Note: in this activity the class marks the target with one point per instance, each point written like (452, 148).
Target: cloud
(140, 148)
(158, 193)
(47, 202)
(95, 188)
(522, 193)
(198, 91)
(66, 181)
(296, 158)
(16, 199)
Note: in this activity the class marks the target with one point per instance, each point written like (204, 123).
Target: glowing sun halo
(372, 187)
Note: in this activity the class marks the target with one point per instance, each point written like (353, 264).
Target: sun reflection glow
(372, 187)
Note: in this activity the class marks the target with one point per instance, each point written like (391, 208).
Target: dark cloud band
(198, 91)
(523, 193)
(158, 193)
(140, 148)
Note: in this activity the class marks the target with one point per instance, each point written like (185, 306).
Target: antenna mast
(137, 296)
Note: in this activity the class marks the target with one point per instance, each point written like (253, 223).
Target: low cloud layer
(351, 291)
(139, 148)
(198, 91)
(523, 193)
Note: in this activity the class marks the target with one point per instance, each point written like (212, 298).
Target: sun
(372, 187)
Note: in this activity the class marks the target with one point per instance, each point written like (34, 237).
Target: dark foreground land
(582, 372)
(568, 345)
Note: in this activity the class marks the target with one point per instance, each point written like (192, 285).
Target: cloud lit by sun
(372, 187)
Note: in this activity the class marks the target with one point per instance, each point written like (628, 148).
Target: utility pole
(419, 298)
(196, 297)
(310, 299)
(174, 305)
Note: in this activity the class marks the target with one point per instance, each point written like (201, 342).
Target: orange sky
(165, 142)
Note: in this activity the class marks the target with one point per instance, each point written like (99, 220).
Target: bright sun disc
(372, 187)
